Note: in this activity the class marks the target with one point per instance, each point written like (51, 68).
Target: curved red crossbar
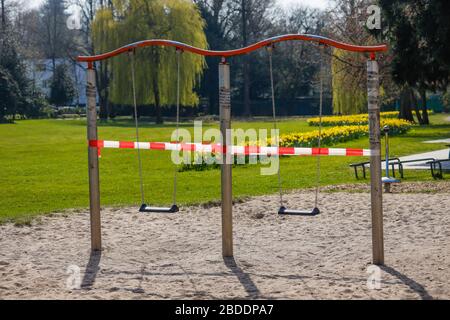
(229, 53)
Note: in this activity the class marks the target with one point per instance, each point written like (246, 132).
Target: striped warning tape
(235, 150)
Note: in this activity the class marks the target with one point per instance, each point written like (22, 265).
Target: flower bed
(339, 134)
(353, 120)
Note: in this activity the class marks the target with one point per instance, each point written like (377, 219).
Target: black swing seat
(284, 211)
(173, 209)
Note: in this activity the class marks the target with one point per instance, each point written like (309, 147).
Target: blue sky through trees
(311, 3)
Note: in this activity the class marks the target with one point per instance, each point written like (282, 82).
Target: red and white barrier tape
(235, 150)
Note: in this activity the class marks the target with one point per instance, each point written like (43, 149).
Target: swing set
(225, 148)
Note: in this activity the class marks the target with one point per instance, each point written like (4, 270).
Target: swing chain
(321, 76)
(179, 52)
(132, 53)
(275, 126)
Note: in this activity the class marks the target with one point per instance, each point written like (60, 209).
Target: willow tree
(349, 91)
(130, 21)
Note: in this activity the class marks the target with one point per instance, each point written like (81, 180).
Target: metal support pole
(225, 126)
(386, 142)
(387, 185)
(375, 161)
(94, 180)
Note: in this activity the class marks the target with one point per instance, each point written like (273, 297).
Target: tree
(252, 23)
(245, 12)
(55, 38)
(349, 96)
(17, 96)
(88, 11)
(10, 93)
(156, 75)
(349, 76)
(7, 10)
(14, 72)
(3, 14)
(27, 28)
(419, 34)
(297, 63)
(218, 26)
(62, 87)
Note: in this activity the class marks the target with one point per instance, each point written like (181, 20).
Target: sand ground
(178, 256)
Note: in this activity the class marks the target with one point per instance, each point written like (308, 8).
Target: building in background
(40, 72)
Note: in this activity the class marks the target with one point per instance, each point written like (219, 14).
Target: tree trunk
(103, 90)
(247, 108)
(101, 72)
(247, 102)
(53, 40)
(156, 94)
(3, 15)
(405, 104)
(103, 113)
(416, 109)
(212, 103)
(159, 119)
(423, 95)
(107, 104)
(53, 58)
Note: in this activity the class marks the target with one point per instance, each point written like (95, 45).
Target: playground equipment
(225, 125)
(387, 181)
(283, 210)
(144, 207)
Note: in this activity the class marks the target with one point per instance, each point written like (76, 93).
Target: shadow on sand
(91, 271)
(248, 284)
(413, 285)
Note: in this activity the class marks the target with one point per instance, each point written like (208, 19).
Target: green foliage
(156, 72)
(48, 112)
(199, 163)
(40, 103)
(17, 98)
(348, 95)
(446, 100)
(419, 34)
(15, 94)
(62, 86)
(203, 162)
(10, 94)
(11, 61)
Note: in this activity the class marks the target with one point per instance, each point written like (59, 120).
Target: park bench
(436, 165)
(363, 165)
(400, 164)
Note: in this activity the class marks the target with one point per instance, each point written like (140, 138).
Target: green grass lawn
(44, 166)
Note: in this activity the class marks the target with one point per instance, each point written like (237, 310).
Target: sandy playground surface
(157, 256)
